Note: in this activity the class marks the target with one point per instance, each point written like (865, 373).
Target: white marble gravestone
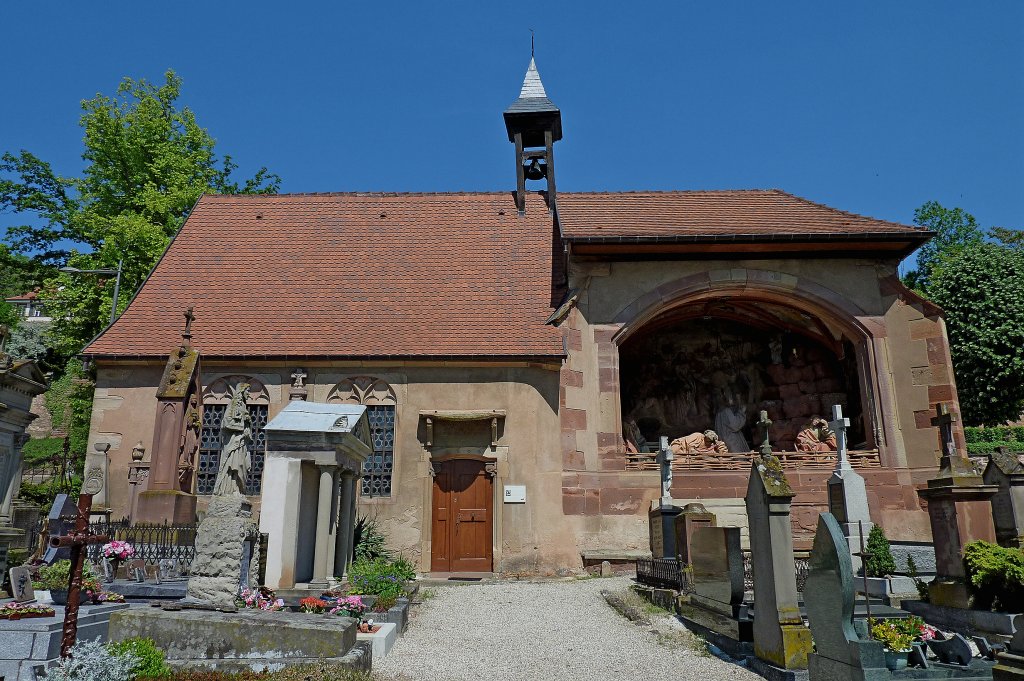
(847, 494)
(315, 455)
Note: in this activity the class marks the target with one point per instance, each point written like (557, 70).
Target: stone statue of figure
(707, 442)
(189, 446)
(817, 437)
(235, 437)
(729, 422)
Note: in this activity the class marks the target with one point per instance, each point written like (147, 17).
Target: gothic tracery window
(380, 402)
(215, 401)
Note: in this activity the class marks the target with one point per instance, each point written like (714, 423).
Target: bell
(536, 170)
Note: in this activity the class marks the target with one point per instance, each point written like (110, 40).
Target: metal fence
(152, 543)
(801, 566)
(667, 573)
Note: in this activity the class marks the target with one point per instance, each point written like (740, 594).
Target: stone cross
(186, 335)
(666, 471)
(298, 378)
(77, 540)
(838, 424)
(944, 420)
(765, 423)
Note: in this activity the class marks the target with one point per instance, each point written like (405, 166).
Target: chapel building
(521, 354)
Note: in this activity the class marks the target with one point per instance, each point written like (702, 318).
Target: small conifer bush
(880, 563)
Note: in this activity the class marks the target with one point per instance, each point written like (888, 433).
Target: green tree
(147, 163)
(954, 229)
(879, 562)
(981, 290)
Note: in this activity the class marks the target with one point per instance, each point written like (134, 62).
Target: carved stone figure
(189, 446)
(235, 436)
(707, 442)
(817, 437)
(730, 422)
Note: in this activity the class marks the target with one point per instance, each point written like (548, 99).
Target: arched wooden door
(462, 517)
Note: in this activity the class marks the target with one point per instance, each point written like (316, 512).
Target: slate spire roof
(532, 97)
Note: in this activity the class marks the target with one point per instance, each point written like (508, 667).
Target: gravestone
(60, 522)
(663, 513)
(1010, 662)
(21, 585)
(1006, 472)
(829, 598)
(780, 636)
(717, 561)
(847, 494)
(957, 482)
(137, 570)
(690, 519)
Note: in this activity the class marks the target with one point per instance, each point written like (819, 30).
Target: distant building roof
(24, 297)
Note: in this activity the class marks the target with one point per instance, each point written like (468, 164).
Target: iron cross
(189, 318)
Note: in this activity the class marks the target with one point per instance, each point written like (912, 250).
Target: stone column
(345, 536)
(322, 552)
(282, 484)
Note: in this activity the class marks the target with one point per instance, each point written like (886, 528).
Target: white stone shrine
(315, 454)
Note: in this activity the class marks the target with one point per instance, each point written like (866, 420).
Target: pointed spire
(532, 87)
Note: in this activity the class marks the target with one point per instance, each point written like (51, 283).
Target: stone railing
(859, 458)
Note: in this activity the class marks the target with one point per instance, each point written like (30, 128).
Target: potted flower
(57, 577)
(312, 605)
(17, 611)
(348, 606)
(116, 551)
(897, 638)
(260, 599)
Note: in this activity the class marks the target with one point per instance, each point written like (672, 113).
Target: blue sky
(872, 107)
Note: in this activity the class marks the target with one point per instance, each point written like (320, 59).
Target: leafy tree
(954, 229)
(981, 290)
(1011, 238)
(147, 163)
(29, 341)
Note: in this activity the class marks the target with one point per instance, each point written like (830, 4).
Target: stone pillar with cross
(949, 496)
(663, 513)
(176, 437)
(847, 493)
(77, 541)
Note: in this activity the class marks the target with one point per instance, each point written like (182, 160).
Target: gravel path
(512, 631)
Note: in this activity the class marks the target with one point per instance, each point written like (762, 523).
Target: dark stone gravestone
(662, 519)
(829, 598)
(60, 522)
(953, 650)
(717, 561)
(690, 519)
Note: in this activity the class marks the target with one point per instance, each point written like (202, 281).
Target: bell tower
(534, 124)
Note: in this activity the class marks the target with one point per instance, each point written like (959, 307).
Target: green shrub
(880, 563)
(380, 577)
(58, 575)
(150, 659)
(919, 584)
(370, 540)
(385, 603)
(988, 446)
(38, 451)
(318, 671)
(996, 576)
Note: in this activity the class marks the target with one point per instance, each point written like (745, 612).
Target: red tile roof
(757, 214)
(31, 295)
(350, 275)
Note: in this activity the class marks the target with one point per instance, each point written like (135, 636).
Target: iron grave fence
(152, 543)
(671, 573)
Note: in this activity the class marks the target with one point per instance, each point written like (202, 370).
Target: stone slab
(382, 640)
(966, 622)
(773, 673)
(149, 590)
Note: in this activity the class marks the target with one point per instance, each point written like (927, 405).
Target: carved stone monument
(847, 494)
(20, 381)
(692, 517)
(227, 539)
(957, 482)
(1007, 472)
(780, 636)
(663, 513)
(176, 438)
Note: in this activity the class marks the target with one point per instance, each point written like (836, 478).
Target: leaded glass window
(380, 464)
(210, 446)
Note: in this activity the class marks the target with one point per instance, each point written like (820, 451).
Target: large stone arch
(865, 331)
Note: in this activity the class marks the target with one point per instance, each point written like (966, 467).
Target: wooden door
(462, 517)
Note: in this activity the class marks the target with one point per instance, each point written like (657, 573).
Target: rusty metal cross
(77, 540)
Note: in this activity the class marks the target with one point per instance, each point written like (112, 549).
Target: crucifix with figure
(77, 540)
(944, 420)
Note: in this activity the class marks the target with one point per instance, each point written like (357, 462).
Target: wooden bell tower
(534, 124)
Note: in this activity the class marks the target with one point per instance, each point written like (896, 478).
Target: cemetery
(728, 398)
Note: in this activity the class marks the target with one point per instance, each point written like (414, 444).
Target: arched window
(380, 402)
(215, 402)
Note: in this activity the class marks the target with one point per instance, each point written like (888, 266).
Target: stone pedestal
(226, 553)
(1006, 472)
(956, 484)
(165, 505)
(848, 502)
(662, 520)
(780, 636)
(693, 517)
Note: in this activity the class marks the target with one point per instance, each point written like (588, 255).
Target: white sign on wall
(515, 494)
